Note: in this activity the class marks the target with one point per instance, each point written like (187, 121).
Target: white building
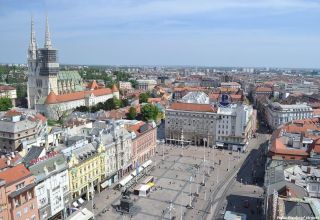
(8, 92)
(118, 144)
(235, 126)
(53, 106)
(231, 85)
(146, 84)
(278, 114)
(125, 85)
(52, 182)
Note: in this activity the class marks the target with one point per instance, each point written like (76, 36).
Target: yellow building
(86, 170)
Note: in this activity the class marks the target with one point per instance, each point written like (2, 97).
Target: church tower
(43, 68)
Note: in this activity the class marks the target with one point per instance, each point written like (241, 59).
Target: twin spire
(47, 40)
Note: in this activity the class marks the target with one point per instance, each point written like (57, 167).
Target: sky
(244, 33)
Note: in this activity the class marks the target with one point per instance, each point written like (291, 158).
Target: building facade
(8, 92)
(278, 114)
(117, 142)
(86, 170)
(125, 85)
(222, 126)
(17, 128)
(143, 142)
(18, 190)
(52, 189)
(146, 84)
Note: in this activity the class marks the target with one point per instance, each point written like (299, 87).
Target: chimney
(9, 162)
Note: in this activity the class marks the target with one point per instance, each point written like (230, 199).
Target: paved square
(172, 183)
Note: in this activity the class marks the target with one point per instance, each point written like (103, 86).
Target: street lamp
(92, 196)
(204, 161)
(189, 206)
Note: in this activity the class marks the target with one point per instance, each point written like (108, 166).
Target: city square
(178, 172)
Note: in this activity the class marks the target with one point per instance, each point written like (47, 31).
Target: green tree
(5, 104)
(117, 103)
(149, 112)
(134, 83)
(82, 108)
(132, 113)
(143, 97)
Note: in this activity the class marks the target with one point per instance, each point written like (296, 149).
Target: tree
(124, 102)
(82, 108)
(134, 83)
(5, 104)
(132, 113)
(116, 103)
(149, 112)
(143, 97)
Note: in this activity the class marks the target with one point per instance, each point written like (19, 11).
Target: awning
(148, 179)
(219, 144)
(125, 180)
(105, 184)
(81, 201)
(134, 173)
(83, 214)
(75, 204)
(146, 164)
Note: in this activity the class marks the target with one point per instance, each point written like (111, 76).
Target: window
(18, 214)
(25, 210)
(19, 186)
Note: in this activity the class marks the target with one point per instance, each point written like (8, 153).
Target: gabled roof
(32, 154)
(92, 85)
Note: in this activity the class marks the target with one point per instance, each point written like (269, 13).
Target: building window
(25, 210)
(19, 214)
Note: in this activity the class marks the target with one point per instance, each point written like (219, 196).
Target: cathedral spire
(33, 42)
(47, 41)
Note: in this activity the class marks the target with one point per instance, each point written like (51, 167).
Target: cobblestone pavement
(172, 184)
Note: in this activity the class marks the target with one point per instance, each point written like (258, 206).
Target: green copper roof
(69, 75)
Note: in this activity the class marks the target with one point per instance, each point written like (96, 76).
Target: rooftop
(193, 107)
(14, 174)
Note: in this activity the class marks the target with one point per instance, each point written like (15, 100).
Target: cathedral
(51, 91)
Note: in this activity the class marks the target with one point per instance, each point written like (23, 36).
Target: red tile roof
(154, 100)
(14, 174)
(12, 112)
(3, 161)
(298, 127)
(93, 85)
(5, 88)
(263, 89)
(52, 98)
(192, 107)
(115, 88)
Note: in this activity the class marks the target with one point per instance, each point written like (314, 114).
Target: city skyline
(247, 33)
